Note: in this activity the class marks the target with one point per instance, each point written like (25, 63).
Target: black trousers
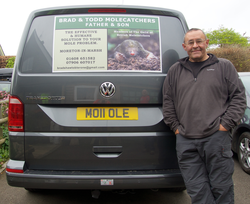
(207, 167)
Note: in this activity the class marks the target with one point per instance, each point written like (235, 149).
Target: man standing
(203, 98)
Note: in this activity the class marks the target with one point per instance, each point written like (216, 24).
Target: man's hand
(222, 128)
(176, 132)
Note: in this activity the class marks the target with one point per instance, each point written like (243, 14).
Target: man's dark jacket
(197, 106)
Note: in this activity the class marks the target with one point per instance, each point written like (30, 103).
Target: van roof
(84, 9)
(126, 9)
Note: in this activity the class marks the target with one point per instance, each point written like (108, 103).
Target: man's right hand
(222, 128)
(176, 132)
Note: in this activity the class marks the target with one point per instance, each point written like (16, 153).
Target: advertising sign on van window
(106, 43)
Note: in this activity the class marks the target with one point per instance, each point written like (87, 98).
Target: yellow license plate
(107, 113)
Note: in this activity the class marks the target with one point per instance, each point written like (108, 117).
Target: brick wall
(3, 61)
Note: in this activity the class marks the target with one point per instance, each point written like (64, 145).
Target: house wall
(3, 61)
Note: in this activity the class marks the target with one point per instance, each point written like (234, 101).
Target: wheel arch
(236, 133)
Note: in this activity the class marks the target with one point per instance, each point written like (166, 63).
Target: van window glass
(152, 45)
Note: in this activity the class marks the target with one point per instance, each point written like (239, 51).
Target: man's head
(195, 44)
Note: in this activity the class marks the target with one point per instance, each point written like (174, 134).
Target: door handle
(107, 151)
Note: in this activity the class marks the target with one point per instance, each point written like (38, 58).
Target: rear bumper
(96, 180)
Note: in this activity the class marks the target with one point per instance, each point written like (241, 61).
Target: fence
(2, 120)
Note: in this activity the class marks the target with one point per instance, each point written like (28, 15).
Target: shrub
(10, 62)
(239, 56)
(4, 148)
(3, 96)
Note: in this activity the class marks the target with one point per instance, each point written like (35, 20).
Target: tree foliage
(224, 36)
(10, 62)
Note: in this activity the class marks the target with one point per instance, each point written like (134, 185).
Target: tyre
(244, 151)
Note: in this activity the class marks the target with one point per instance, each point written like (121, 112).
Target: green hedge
(239, 56)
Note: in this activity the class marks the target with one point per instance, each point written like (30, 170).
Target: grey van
(85, 110)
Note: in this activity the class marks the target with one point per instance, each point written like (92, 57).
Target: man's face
(195, 46)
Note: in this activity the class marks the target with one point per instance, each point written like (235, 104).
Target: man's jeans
(207, 167)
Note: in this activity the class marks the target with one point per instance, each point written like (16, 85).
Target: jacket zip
(195, 78)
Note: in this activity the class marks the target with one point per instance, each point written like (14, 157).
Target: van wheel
(244, 151)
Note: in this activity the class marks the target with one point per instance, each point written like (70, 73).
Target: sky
(207, 15)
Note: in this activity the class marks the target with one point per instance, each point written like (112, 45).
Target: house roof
(1, 51)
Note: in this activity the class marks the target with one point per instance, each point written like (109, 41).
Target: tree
(10, 62)
(224, 36)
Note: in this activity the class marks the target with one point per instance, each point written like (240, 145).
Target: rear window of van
(102, 43)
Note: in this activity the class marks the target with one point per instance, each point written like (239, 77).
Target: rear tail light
(107, 10)
(19, 171)
(16, 120)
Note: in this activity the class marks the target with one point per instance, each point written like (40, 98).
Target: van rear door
(90, 81)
